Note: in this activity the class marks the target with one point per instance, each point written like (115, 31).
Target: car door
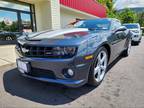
(122, 36)
(117, 38)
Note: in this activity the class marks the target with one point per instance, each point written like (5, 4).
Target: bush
(140, 19)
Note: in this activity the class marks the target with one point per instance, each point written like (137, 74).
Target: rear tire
(98, 68)
(127, 51)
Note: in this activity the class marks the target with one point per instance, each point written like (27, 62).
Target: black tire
(92, 78)
(127, 51)
(137, 43)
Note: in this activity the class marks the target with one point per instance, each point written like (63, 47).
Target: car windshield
(94, 24)
(131, 26)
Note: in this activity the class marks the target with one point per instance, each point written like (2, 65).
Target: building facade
(37, 15)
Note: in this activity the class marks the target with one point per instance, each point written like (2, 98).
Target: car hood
(62, 37)
(135, 30)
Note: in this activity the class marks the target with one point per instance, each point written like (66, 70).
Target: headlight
(24, 50)
(64, 51)
(18, 49)
(135, 31)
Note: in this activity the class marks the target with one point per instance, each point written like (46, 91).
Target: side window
(115, 25)
(118, 24)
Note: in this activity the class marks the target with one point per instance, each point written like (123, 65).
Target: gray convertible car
(73, 56)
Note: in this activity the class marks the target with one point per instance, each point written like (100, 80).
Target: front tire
(137, 43)
(99, 67)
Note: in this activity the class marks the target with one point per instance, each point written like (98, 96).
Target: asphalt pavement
(123, 87)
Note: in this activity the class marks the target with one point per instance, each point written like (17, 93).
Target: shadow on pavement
(40, 92)
(12, 42)
(44, 93)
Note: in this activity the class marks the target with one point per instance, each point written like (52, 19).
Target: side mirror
(122, 28)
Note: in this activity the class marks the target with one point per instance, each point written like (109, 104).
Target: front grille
(43, 52)
(37, 51)
(35, 72)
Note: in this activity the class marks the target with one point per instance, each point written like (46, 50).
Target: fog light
(68, 73)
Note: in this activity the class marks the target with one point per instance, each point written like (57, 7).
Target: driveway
(7, 55)
(123, 87)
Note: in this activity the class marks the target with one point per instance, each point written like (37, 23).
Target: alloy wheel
(9, 38)
(101, 66)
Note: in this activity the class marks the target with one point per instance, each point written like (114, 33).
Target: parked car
(74, 56)
(142, 28)
(136, 31)
(5, 35)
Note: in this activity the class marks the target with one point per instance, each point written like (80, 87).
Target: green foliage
(127, 16)
(101, 1)
(11, 28)
(109, 6)
(107, 3)
(140, 19)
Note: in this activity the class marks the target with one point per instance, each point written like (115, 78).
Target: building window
(26, 22)
(16, 18)
(8, 21)
(15, 6)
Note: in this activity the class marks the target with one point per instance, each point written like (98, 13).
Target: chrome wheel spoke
(103, 68)
(96, 70)
(99, 75)
(103, 59)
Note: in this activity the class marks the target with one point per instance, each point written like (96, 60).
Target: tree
(107, 3)
(140, 19)
(101, 1)
(109, 7)
(2, 25)
(127, 16)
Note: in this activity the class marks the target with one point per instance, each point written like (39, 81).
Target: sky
(9, 15)
(12, 16)
(121, 4)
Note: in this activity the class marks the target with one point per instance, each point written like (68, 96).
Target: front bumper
(69, 83)
(57, 66)
(136, 37)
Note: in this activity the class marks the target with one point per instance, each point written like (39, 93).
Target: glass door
(26, 22)
(8, 25)
(15, 19)
(8, 21)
